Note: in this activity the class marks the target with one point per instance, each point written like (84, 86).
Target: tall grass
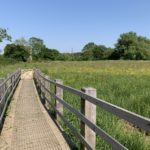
(123, 83)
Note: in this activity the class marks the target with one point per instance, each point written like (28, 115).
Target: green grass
(124, 83)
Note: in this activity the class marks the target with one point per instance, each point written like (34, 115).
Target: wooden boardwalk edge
(51, 123)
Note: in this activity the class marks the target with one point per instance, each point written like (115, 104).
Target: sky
(67, 25)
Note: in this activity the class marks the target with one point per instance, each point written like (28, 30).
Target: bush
(17, 52)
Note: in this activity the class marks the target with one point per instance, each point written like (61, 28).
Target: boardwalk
(32, 128)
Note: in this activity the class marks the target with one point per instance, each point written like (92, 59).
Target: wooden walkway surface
(33, 129)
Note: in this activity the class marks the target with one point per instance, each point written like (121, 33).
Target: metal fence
(87, 115)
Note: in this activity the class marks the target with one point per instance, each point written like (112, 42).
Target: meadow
(123, 83)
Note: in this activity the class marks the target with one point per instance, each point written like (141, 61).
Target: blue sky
(69, 24)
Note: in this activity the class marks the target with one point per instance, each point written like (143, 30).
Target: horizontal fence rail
(139, 121)
(7, 88)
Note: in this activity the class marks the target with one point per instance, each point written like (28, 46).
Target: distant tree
(131, 46)
(37, 46)
(92, 51)
(108, 53)
(17, 52)
(4, 35)
(88, 46)
(77, 56)
(23, 42)
(50, 54)
(88, 54)
(98, 52)
(65, 57)
(87, 51)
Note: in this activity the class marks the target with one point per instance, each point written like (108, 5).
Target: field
(124, 83)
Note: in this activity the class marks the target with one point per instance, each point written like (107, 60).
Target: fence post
(89, 110)
(1, 88)
(37, 79)
(42, 89)
(11, 82)
(8, 83)
(58, 93)
(47, 95)
(14, 80)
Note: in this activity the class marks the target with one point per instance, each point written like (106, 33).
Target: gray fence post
(47, 95)
(42, 89)
(2, 90)
(89, 110)
(11, 82)
(8, 83)
(58, 93)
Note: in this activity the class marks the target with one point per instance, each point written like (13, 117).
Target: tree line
(129, 46)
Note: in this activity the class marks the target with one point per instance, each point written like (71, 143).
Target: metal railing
(43, 83)
(7, 88)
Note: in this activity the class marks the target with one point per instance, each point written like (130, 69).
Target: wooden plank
(71, 127)
(7, 99)
(5, 93)
(58, 93)
(1, 88)
(89, 111)
(131, 117)
(47, 95)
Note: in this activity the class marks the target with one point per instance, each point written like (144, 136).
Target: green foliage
(107, 53)
(88, 46)
(17, 52)
(88, 54)
(21, 41)
(37, 46)
(49, 54)
(4, 35)
(7, 61)
(65, 57)
(92, 51)
(70, 56)
(131, 46)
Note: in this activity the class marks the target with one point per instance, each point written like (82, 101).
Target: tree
(92, 51)
(88, 54)
(17, 52)
(132, 46)
(87, 51)
(51, 54)
(23, 42)
(4, 35)
(108, 53)
(98, 52)
(37, 46)
(88, 46)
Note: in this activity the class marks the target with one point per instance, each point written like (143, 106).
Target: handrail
(8, 90)
(10, 76)
(131, 117)
(74, 130)
(90, 124)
